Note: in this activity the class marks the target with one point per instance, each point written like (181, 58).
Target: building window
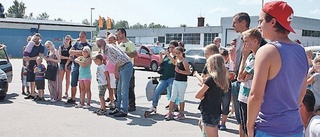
(133, 39)
(209, 37)
(161, 39)
(310, 33)
(170, 37)
(191, 38)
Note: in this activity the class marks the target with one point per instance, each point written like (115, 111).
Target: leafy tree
(183, 25)
(137, 26)
(17, 10)
(43, 16)
(153, 25)
(29, 17)
(86, 22)
(121, 24)
(58, 19)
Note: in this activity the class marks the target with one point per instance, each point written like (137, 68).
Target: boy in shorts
(39, 70)
(103, 80)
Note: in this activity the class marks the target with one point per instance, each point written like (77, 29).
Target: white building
(307, 31)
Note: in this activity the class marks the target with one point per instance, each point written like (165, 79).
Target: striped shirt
(115, 55)
(246, 86)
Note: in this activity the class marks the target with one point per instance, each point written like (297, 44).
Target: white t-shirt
(313, 129)
(101, 77)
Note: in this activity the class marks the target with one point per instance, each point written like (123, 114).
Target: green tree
(183, 25)
(153, 25)
(58, 19)
(86, 22)
(137, 26)
(43, 16)
(17, 10)
(121, 24)
(29, 17)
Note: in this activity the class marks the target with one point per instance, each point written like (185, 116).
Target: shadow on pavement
(8, 98)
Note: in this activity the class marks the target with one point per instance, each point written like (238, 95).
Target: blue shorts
(75, 75)
(210, 119)
(61, 67)
(259, 133)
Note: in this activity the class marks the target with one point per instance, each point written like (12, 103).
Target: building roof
(43, 22)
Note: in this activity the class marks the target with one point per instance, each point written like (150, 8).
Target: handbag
(51, 73)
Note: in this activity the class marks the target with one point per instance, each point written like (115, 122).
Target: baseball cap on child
(281, 11)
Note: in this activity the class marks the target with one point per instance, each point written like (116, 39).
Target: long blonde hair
(218, 71)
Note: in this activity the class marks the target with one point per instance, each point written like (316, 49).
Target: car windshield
(156, 49)
(194, 52)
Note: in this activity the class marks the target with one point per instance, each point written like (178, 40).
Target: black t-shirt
(80, 46)
(65, 53)
(36, 50)
(178, 76)
(211, 104)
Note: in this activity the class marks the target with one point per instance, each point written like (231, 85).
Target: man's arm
(132, 54)
(264, 57)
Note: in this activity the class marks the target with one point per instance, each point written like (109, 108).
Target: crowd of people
(266, 83)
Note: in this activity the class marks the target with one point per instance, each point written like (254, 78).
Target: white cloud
(217, 10)
(315, 11)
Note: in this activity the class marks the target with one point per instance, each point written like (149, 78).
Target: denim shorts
(74, 75)
(61, 67)
(210, 119)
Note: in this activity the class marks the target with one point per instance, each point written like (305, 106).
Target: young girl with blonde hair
(84, 77)
(210, 94)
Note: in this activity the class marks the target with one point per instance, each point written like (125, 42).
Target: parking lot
(20, 117)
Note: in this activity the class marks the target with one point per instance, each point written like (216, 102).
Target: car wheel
(191, 67)
(154, 66)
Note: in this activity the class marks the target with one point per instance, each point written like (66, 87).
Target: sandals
(65, 96)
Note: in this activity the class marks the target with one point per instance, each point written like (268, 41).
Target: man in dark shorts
(76, 51)
(36, 51)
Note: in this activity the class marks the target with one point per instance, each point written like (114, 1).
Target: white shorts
(112, 80)
(25, 83)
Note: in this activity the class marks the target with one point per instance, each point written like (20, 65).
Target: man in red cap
(279, 83)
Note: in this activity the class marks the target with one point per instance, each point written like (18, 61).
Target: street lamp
(91, 15)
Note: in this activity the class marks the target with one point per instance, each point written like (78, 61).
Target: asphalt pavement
(20, 117)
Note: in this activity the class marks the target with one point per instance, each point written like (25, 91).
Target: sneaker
(86, 107)
(111, 104)
(71, 101)
(24, 93)
(42, 99)
(131, 109)
(120, 114)
(53, 100)
(152, 109)
(102, 112)
(107, 100)
(230, 115)
(169, 116)
(167, 107)
(115, 111)
(78, 106)
(37, 98)
(223, 127)
(175, 108)
(29, 97)
(180, 116)
(97, 111)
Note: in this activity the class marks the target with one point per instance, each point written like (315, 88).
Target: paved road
(20, 117)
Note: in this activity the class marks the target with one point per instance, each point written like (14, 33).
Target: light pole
(91, 15)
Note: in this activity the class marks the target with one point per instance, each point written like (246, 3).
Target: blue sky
(171, 13)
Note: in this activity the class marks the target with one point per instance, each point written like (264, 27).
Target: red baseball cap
(281, 11)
